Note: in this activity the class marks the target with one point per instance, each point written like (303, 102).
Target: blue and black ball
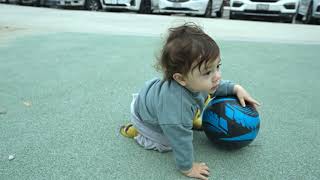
(229, 125)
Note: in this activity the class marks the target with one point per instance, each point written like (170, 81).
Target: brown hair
(184, 46)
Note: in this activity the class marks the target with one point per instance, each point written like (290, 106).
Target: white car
(195, 7)
(140, 6)
(45, 3)
(284, 10)
(92, 5)
(309, 11)
(9, 1)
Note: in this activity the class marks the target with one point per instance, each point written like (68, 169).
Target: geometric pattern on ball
(226, 122)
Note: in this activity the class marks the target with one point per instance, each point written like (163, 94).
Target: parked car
(308, 11)
(46, 3)
(9, 1)
(284, 10)
(140, 6)
(29, 2)
(93, 5)
(195, 7)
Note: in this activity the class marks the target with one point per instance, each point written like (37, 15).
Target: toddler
(166, 110)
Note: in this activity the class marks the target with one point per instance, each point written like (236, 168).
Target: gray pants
(148, 138)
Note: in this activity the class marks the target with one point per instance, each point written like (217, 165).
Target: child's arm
(180, 138)
(226, 88)
(244, 96)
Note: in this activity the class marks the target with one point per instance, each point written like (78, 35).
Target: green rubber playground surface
(66, 94)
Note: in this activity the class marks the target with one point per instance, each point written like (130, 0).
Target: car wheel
(299, 17)
(308, 19)
(220, 12)
(232, 16)
(208, 10)
(93, 5)
(289, 20)
(37, 3)
(145, 7)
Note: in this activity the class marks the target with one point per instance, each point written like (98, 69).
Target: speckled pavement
(66, 79)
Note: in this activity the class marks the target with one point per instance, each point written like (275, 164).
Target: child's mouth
(214, 88)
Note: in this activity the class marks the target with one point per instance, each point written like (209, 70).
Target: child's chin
(212, 91)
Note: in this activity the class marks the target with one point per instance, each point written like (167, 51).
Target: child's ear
(179, 78)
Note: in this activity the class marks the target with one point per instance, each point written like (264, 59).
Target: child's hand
(244, 96)
(198, 170)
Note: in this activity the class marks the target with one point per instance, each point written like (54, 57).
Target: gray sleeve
(180, 139)
(225, 88)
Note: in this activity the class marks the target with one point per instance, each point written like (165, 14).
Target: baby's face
(207, 79)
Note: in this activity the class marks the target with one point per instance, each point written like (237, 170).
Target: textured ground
(66, 79)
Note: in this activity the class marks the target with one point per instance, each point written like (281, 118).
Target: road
(28, 19)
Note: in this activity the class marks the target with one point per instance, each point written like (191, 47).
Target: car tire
(289, 20)
(220, 12)
(232, 16)
(299, 17)
(92, 5)
(308, 19)
(145, 7)
(42, 3)
(208, 12)
(37, 3)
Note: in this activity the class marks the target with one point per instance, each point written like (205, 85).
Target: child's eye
(218, 66)
(207, 73)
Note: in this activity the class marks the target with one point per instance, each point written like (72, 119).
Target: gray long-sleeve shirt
(169, 108)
